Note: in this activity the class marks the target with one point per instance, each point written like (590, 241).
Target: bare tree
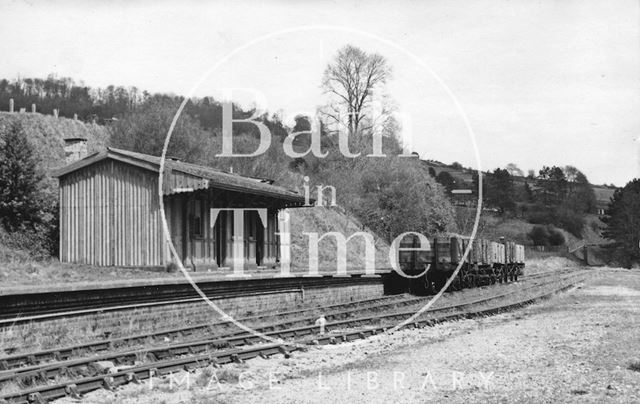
(350, 80)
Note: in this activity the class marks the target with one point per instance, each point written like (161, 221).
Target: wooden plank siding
(109, 215)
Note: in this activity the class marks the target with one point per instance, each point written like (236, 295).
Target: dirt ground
(581, 346)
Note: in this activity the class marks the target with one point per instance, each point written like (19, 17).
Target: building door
(251, 220)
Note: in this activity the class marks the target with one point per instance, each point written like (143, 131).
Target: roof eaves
(93, 158)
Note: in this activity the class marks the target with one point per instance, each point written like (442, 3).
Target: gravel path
(576, 347)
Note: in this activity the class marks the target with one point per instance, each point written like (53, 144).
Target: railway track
(334, 311)
(204, 326)
(48, 306)
(281, 329)
(217, 350)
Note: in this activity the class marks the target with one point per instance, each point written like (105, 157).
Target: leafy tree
(500, 190)
(553, 184)
(623, 221)
(20, 199)
(580, 196)
(546, 236)
(446, 180)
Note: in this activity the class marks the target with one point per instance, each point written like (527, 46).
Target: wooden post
(55, 112)
(585, 251)
(11, 105)
(33, 108)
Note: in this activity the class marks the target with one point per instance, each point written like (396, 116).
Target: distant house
(110, 213)
(603, 197)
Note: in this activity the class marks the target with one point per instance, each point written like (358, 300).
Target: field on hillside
(493, 227)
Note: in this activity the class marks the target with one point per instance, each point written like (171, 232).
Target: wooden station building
(110, 213)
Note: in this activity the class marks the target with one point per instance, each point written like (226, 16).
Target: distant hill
(465, 175)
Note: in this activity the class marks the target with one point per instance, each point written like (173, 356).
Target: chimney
(10, 104)
(75, 149)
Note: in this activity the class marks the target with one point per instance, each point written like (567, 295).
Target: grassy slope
(323, 220)
(47, 133)
(493, 227)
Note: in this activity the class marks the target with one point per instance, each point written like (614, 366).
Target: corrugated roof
(215, 178)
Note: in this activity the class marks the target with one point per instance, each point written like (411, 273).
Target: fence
(56, 111)
(548, 249)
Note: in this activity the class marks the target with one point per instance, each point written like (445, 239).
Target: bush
(546, 236)
(555, 237)
(28, 244)
(539, 235)
(570, 221)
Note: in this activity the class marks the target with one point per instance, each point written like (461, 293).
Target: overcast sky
(542, 82)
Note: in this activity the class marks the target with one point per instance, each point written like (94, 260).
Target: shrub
(570, 221)
(539, 235)
(28, 243)
(635, 366)
(546, 236)
(555, 237)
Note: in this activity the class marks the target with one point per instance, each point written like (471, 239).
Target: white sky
(542, 82)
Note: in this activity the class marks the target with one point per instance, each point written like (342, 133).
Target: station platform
(177, 278)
